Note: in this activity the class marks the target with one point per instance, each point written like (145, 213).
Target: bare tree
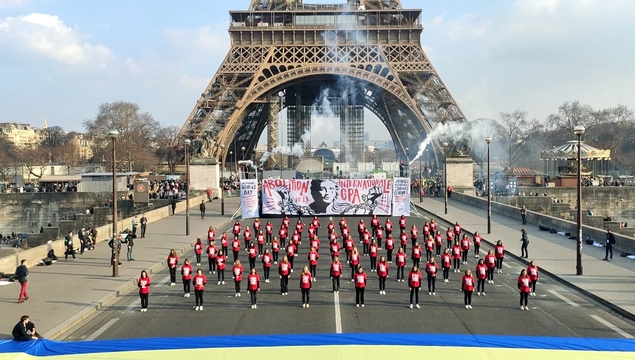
(518, 133)
(165, 151)
(67, 153)
(35, 160)
(570, 114)
(7, 159)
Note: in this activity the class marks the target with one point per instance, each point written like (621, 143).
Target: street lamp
(114, 134)
(420, 180)
(445, 175)
(579, 130)
(488, 140)
(222, 186)
(187, 187)
(242, 156)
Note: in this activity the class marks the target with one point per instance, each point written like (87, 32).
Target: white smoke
(296, 150)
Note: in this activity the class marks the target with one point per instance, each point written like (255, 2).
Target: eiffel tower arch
(284, 53)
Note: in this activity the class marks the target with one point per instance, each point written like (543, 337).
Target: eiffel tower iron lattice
(283, 53)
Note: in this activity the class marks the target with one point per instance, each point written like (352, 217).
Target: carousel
(561, 162)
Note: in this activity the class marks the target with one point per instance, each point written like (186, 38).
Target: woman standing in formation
(373, 252)
(456, 256)
(291, 252)
(269, 231)
(490, 261)
(349, 244)
(532, 271)
(253, 281)
(284, 269)
(465, 248)
(336, 272)
(414, 235)
(305, 286)
(429, 245)
(211, 234)
(252, 255)
(361, 228)
(438, 241)
(260, 239)
(316, 224)
(467, 286)
(247, 236)
(212, 252)
(400, 258)
(524, 287)
(390, 247)
(198, 250)
(449, 236)
(354, 262)
(237, 274)
(403, 238)
(221, 259)
(173, 260)
(275, 249)
(236, 229)
(446, 263)
(266, 264)
(380, 235)
(186, 275)
(144, 290)
(431, 270)
(360, 286)
(477, 244)
(334, 248)
(365, 242)
(402, 223)
(382, 273)
(224, 243)
(416, 254)
(313, 257)
(235, 248)
(414, 283)
(199, 286)
(481, 275)
(499, 250)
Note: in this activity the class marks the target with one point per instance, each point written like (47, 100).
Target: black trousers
(428, 254)
(198, 258)
(359, 295)
(313, 270)
(237, 286)
(134, 231)
(212, 263)
(524, 219)
(143, 230)
(389, 254)
(268, 238)
(446, 273)
(480, 285)
(252, 263)
(235, 255)
(477, 249)
(490, 273)
(400, 271)
(439, 249)
(186, 286)
(144, 300)
(523, 250)
(457, 263)
(379, 242)
(261, 248)
(291, 258)
(499, 263)
(275, 256)
(266, 271)
(172, 275)
(252, 294)
(221, 275)
(225, 250)
(533, 285)
(449, 244)
(382, 283)
(365, 249)
(284, 284)
(467, 297)
(336, 283)
(70, 251)
(609, 249)
(414, 292)
(198, 294)
(373, 263)
(524, 296)
(82, 246)
(416, 261)
(353, 269)
(431, 283)
(305, 295)
(464, 255)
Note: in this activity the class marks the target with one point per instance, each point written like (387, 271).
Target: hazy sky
(60, 59)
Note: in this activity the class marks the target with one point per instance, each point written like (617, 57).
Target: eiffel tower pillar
(272, 129)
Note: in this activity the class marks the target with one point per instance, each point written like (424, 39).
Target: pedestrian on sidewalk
(382, 273)
(144, 290)
(201, 207)
(199, 287)
(477, 244)
(130, 244)
(221, 259)
(115, 249)
(237, 275)
(456, 256)
(467, 286)
(446, 264)
(212, 252)
(134, 226)
(490, 261)
(68, 244)
(431, 271)
(360, 286)
(81, 236)
(524, 239)
(609, 243)
(186, 276)
(499, 249)
(144, 225)
(198, 251)
(532, 271)
(400, 260)
(22, 275)
(524, 288)
(173, 207)
(173, 260)
(21, 330)
(523, 214)
(481, 275)
(253, 283)
(414, 285)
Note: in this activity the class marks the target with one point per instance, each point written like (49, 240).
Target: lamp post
(187, 188)
(579, 130)
(114, 134)
(445, 175)
(488, 140)
(242, 156)
(222, 186)
(420, 180)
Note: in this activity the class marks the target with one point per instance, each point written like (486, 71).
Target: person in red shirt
(524, 287)
(268, 232)
(221, 259)
(299, 227)
(334, 247)
(295, 239)
(252, 254)
(260, 239)
(236, 230)
(212, 251)
(186, 276)
(449, 237)
(467, 286)
(305, 286)
(433, 226)
(374, 252)
(284, 270)
(253, 285)
(256, 225)
(388, 226)
(275, 249)
(224, 243)
(426, 229)
(314, 242)
(266, 259)
(283, 236)
(365, 242)
(499, 251)
(446, 263)
(476, 239)
(457, 231)
(144, 290)
(465, 248)
(198, 250)
(456, 256)
(211, 234)
(400, 259)
(414, 284)
(311, 231)
(431, 271)
(361, 228)
(390, 247)
(414, 234)
(316, 225)
(235, 248)
(291, 253)
(199, 287)
(330, 226)
(346, 231)
(532, 271)
(343, 224)
(173, 260)
(382, 273)
(403, 237)
(286, 222)
(416, 254)
(374, 225)
(402, 223)
(313, 257)
(349, 244)
(490, 261)
(237, 275)
(336, 272)
(429, 245)
(354, 262)
(360, 286)
(247, 236)
(438, 241)
(481, 275)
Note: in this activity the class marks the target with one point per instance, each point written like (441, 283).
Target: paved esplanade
(171, 314)
(61, 291)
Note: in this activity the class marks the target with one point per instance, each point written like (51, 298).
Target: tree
(137, 132)
(35, 160)
(570, 114)
(611, 129)
(7, 159)
(67, 153)
(479, 130)
(518, 133)
(165, 150)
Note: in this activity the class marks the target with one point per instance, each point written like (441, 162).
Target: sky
(60, 59)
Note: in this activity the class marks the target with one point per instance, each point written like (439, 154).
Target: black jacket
(22, 273)
(19, 332)
(610, 239)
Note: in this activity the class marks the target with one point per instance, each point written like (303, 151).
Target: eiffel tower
(284, 53)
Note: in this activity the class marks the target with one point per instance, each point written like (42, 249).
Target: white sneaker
(184, 295)
(275, 262)
(267, 280)
(417, 306)
(252, 306)
(484, 294)
(478, 293)
(314, 279)
(522, 308)
(467, 306)
(430, 293)
(362, 305)
(213, 272)
(307, 305)
(236, 295)
(356, 305)
(384, 291)
(434, 294)
(526, 308)
(172, 284)
(255, 306)
(200, 308)
(196, 308)
(239, 295)
(446, 280)
(411, 306)
(141, 310)
(470, 306)
(223, 282)
(303, 305)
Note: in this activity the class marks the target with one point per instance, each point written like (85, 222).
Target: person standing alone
(144, 224)
(524, 238)
(202, 209)
(130, 244)
(22, 274)
(134, 226)
(610, 243)
(523, 214)
(68, 244)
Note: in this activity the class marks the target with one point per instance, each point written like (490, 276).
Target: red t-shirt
(468, 283)
(382, 269)
(523, 283)
(481, 271)
(220, 262)
(336, 269)
(186, 272)
(305, 281)
(237, 272)
(199, 282)
(431, 269)
(253, 282)
(414, 279)
(360, 280)
(144, 285)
